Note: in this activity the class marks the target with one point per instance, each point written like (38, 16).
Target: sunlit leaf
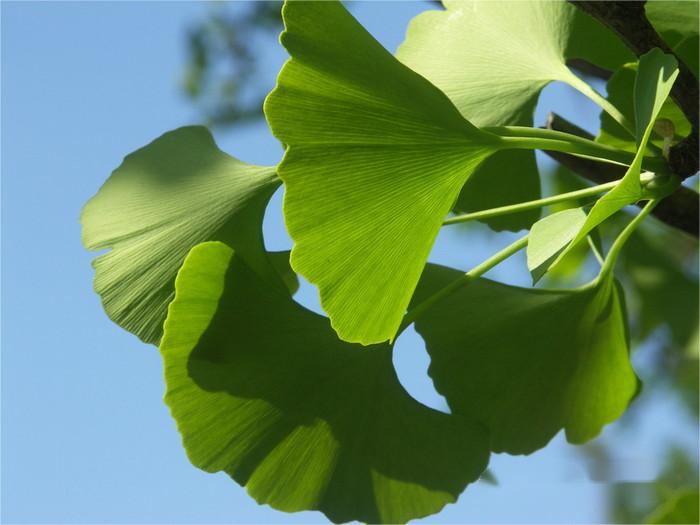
(529, 362)
(549, 236)
(376, 156)
(655, 76)
(619, 87)
(262, 389)
(164, 199)
(493, 58)
(492, 63)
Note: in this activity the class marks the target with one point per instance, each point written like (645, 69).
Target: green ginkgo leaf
(619, 87)
(176, 192)
(674, 20)
(529, 362)
(492, 59)
(655, 76)
(549, 236)
(376, 156)
(262, 389)
(682, 507)
(506, 177)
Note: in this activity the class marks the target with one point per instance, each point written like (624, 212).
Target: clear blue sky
(85, 435)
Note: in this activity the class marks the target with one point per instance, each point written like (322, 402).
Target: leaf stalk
(475, 272)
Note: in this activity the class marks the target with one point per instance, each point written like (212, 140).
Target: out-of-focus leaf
(262, 389)
(665, 293)
(681, 508)
(376, 156)
(165, 198)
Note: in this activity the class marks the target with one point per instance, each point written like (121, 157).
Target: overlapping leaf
(549, 236)
(376, 156)
(619, 87)
(262, 389)
(679, 25)
(164, 199)
(492, 59)
(529, 362)
(655, 76)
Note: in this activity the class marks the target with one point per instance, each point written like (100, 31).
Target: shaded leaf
(665, 294)
(262, 388)
(529, 362)
(673, 20)
(549, 236)
(165, 198)
(376, 156)
(689, 52)
(506, 177)
(682, 508)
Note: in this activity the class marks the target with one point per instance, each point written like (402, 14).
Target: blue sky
(85, 435)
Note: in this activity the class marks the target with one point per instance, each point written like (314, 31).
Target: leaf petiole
(621, 239)
(529, 205)
(522, 137)
(585, 89)
(475, 272)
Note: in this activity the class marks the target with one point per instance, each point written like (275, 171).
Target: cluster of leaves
(307, 411)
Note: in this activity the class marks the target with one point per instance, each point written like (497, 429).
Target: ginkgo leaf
(655, 76)
(673, 20)
(376, 156)
(619, 87)
(506, 177)
(529, 362)
(681, 507)
(549, 236)
(164, 199)
(492, 59)
(262, 389)
(679, 25)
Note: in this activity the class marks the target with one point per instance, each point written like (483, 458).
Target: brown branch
(680, 209)
(628, 20)
(588, 68)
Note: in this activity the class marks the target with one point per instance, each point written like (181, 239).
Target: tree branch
(589, 68)
(628, 20)
(680, 209)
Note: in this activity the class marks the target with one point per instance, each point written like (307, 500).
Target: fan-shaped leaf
(164, 199)
(262, 389)
(492, 59)
(529, 362)
(376, 156)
